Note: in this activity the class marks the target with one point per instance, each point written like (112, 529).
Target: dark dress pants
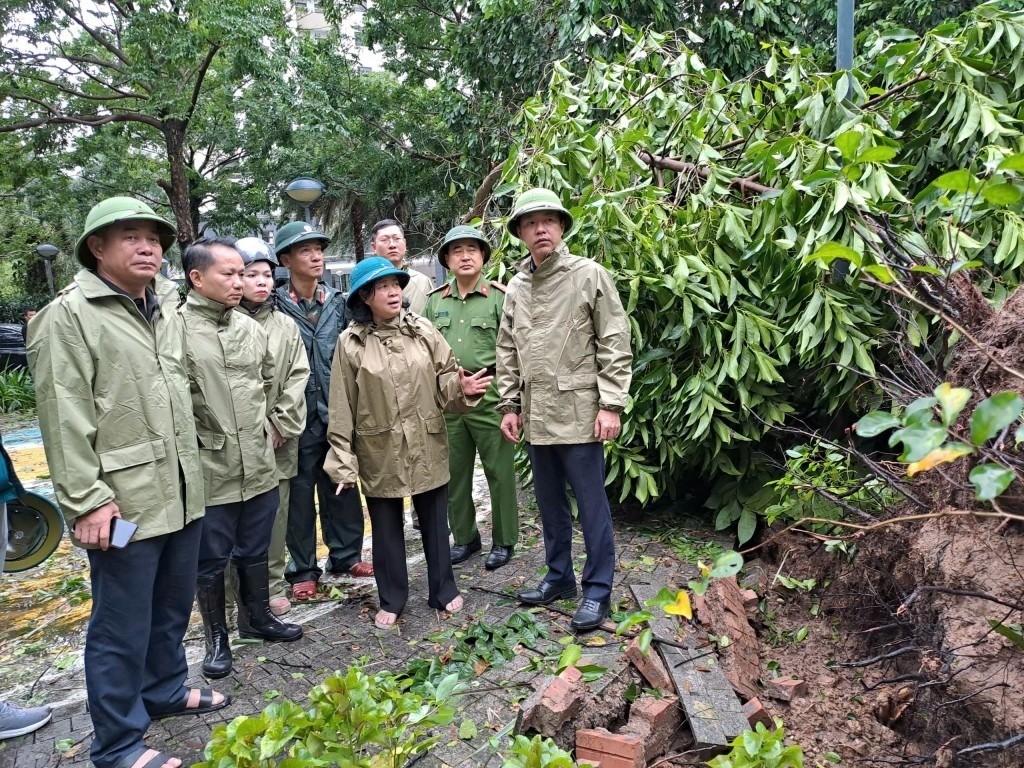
(134, 659)
(239, 530)
(582, 466)
(341, 519)
(389, 566)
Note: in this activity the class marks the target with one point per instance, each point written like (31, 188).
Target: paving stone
(705, 694)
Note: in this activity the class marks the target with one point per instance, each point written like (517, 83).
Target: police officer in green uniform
(467, 312)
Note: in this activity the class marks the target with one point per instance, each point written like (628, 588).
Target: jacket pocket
(485, 336)
(442, 322)
(373, 449)
(211, 441)
(434, 424)
(133, 474)
(577, 401)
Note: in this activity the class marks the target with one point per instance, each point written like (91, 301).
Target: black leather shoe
(462, 552)
(590, 615)
(547, 593)
(498, 557)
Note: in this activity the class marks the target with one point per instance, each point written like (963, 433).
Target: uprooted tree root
(914, 608)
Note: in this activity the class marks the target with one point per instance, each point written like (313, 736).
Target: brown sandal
(304, 590)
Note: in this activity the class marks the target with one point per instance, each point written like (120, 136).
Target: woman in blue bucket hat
(392, 378)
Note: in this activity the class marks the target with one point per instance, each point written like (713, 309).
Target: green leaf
(847, 143)
(726, 564)
(570, 655)
(1011, 634)
(990, 480)
(880, 154)
(1001, 194)
(643, 642)
(467, 730)
(918, 440)
(1012, 163)
(994, 414)
(951, 400)
(956, 181)
(746, 527)
(831, 251)
(880, 272)
(875, 423)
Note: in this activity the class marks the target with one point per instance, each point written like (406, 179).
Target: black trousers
(341, 519)
(241, 529)
(389, 566)
(582, 466)
(134, 659)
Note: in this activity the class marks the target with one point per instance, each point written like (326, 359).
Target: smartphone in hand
(121, 532)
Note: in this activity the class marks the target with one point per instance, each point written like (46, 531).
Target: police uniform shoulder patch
(500, 286)
(441, 287)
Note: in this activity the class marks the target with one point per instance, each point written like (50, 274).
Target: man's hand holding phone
(104, 528)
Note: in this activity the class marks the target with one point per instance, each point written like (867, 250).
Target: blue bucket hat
(370, 270)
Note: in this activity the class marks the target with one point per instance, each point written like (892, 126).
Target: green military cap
(538, 199)
(117, 209)
(462, 232)
(297, 232)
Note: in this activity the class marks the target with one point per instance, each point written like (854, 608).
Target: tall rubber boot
(254, 616)
(210, 597)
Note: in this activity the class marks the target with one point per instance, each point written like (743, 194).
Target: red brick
(571, 675)
(555, 702)
(756, 713)
(613, 750)
(750, 599)
(664, 714)
(785, 689)
(651, 667)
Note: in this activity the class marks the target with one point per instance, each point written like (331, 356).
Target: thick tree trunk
(357, 217)
(178, 189)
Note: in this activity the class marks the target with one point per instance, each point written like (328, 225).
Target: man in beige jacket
(108, 360)
(564, 368)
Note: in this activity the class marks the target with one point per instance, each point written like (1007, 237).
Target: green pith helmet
(538, 199)
(462, 232)
(113, 210)
(297, 232)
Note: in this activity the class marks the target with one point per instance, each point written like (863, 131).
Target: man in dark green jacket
(321, 315)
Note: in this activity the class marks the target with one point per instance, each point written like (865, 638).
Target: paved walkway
(45, 610)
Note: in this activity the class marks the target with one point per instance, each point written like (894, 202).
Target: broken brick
(750, 599)
(785, 689)
(655, 722)
(650, 666)
(756, 713)
(723, 613)
(612, 750)
(555, 702)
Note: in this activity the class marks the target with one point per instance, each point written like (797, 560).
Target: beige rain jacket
(390, 386)
(112, 392)
(417, 290)
(563, 348)
(287, 398)
(232, 373)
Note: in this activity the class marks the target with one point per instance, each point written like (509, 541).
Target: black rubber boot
(254, 616)
(210, 598)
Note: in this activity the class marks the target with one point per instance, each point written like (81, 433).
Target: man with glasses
(387, 238)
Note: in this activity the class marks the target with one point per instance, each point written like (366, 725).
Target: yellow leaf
(596, 640)
(680, 606)
(705, 570)
(936, 457)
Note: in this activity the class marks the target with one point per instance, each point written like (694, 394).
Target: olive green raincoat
(232, 371)
(563, 348)
(287, 398)
(112, 392)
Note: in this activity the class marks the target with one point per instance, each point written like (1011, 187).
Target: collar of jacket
(93, 287)
(208, 308)
(259, 313)
(482, 287)
(552, 263)
(405, 323)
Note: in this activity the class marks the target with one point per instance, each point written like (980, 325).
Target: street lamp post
(305, 191)
(48, 252)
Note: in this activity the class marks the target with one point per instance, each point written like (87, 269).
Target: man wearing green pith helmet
(467, 312)
(108, 357)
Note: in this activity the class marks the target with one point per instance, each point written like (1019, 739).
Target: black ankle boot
(254, 616)
(210, 598)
